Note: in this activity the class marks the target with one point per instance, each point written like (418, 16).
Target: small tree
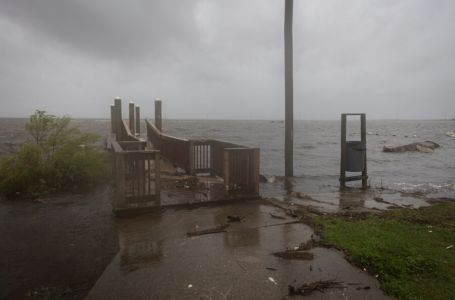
(60, 157)
(39, 126)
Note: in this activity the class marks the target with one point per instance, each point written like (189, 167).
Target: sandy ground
(57, 247)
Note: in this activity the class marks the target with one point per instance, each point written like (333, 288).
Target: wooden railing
(136, 174)
(237, 165)
(135, 170)
(176, 150)
(125, 133)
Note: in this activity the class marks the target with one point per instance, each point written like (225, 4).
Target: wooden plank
(120, 185)
(157, 178)
(226, 169)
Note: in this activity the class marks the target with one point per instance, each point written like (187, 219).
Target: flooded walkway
(157, 260)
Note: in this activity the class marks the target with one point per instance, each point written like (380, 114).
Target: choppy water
(317, 150)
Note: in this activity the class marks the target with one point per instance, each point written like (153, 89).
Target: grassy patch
(407, 249)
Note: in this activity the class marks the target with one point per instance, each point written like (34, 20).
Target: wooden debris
(221, 228)
(308, 288)
(295, 254)
(232, 219)
(277, 216)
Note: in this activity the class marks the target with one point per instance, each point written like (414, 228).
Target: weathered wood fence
(135, 170)
(136, 161)
(236, 164)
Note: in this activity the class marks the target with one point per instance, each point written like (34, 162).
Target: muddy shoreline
(55, 247)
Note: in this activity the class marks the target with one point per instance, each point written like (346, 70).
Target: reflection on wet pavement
(158, 261)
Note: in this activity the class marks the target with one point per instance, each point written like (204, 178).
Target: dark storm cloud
(125, 30)
(224, 59)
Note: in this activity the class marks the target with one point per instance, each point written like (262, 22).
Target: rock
(425, 147)
(450, 133)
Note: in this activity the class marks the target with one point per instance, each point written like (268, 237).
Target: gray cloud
(224, 59)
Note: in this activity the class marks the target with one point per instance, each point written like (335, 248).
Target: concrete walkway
(158, 261)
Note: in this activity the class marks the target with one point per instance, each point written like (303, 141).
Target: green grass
(406, 248)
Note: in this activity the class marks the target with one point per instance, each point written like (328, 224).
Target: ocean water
(316, 150)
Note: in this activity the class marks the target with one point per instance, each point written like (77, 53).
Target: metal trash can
(355, 156)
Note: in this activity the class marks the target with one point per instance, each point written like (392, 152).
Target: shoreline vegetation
(56, 158)
(410, 251)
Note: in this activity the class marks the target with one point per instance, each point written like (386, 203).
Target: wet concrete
(158, 261)
(55, 246)
(333, 200)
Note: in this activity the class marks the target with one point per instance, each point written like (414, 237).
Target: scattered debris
(295, 254)
(277, 216)
(300, 195)
(270, 269)
(450, 246)
(190, 285)
(451, 133)
(273, 281)
(221, 228)
(308, 288)
(292, 213)
(232, 219)
(309, 244)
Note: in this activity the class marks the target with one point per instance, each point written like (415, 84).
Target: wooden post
(138, 120)
(120, 178)
(112, 119)
(289, 91)
(132, 122)
(343, 152)
(158, 121)
(157, 178)
(226, 169)
(256, 160)
(118, 118)
(191, 157)
(363, 133)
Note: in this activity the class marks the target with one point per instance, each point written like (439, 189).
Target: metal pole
(289, 91)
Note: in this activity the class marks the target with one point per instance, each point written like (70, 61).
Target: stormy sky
(223, 59)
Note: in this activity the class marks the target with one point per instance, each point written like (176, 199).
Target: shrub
(58, 158)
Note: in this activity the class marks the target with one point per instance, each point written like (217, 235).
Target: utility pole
(289, 91)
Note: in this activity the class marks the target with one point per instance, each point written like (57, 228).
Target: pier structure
(159, 170)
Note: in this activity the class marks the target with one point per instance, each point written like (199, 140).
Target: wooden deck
(162, 170)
